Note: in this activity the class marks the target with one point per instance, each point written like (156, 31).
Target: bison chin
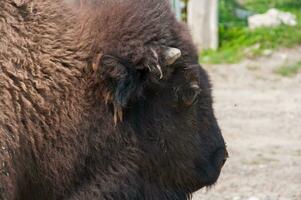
(206, 172)
(209, 173)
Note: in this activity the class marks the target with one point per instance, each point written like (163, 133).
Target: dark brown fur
(58, 138)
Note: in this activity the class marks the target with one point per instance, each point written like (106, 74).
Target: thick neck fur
(41, 89)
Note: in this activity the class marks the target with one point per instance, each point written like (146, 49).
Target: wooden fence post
(176, 5)
(203, 22)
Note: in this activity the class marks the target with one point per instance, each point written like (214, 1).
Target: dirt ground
(260, 115)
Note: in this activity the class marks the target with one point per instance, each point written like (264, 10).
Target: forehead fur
(125, 27)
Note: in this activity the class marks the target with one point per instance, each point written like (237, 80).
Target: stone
(236, 198)
(272, 18)
(243, 14)
(267, 52)
(253, 198)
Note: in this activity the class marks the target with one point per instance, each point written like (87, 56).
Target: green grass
(290, 70)
(238, 42)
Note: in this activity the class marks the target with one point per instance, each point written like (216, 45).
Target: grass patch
(290, 70)
(238, 42)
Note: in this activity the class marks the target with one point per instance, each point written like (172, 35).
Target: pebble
(253, 198)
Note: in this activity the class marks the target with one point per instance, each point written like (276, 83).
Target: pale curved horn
(172, 55)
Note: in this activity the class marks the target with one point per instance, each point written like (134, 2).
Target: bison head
(182, 144)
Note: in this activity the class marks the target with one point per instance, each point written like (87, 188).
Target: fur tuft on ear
(117, 83)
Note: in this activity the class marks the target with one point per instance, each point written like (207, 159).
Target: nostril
(223, 162)
(220, 157)
(226, 156)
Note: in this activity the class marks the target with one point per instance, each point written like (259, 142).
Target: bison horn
(172, 55)
(20, 3)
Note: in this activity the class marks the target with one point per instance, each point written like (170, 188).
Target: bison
(103, 99)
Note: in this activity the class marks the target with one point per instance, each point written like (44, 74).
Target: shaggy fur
(65, 76)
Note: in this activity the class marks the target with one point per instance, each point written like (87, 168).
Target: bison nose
(220, 157)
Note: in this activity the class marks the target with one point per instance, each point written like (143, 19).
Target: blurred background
(252, 51)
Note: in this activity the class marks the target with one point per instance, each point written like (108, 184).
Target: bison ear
(121, 82)
(111, 67)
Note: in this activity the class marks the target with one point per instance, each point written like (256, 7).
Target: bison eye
(188, 94)
(188, 84)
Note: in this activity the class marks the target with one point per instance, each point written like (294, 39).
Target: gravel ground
(260, 115)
